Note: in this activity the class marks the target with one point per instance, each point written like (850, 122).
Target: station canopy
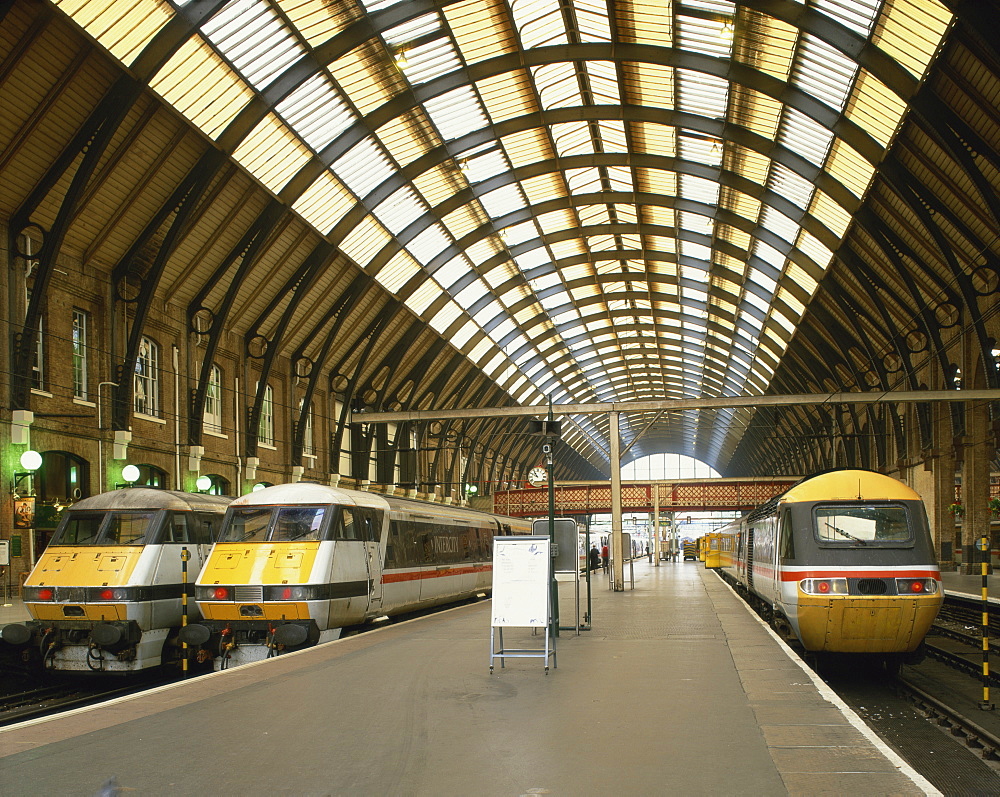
(589, 200)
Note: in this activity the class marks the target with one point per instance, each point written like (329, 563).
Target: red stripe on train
(419, 575)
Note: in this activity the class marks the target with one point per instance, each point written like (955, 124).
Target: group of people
(599, 559)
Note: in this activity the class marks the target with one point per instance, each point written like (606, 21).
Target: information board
(521, 581)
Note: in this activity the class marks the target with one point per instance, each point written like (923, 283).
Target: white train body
(296, 563)
(106, 594)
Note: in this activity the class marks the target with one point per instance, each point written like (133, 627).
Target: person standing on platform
(649, 555)
(605, 555)
(595, 557)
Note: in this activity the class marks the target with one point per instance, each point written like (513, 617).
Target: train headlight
(213, 593)
(916, 586)
(289, 592)
(824, 586)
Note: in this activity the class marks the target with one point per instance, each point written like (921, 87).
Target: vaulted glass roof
(593, 201)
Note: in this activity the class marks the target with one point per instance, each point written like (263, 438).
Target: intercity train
(106, 594)
(841, 562)
(295, 564)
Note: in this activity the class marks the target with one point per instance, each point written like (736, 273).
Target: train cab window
(128, 528)
(203, 529)
(295, 523)
(246, 524)
(786, 541)
(347, 526)
(369, 522)
(177, 528)
(79, 528)
(885, 525)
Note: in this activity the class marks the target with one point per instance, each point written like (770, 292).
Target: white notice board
(521, 581)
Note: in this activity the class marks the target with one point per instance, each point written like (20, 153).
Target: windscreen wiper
(846, 534)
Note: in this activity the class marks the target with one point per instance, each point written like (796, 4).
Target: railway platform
(677, 688)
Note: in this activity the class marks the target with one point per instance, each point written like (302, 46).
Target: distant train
(840, 562)
(106, 594)
(297, 563)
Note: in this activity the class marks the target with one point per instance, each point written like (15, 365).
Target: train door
(371, 522)
(750, 557)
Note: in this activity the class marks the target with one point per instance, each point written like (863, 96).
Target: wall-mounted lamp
(30, 461)
(204, 484)
(131, 474)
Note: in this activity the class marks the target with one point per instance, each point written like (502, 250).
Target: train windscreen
(857, 526)
(273, 524)
(106, 528)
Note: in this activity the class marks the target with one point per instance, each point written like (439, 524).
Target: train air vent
(872, 586)
(73, 611)
(248, 593)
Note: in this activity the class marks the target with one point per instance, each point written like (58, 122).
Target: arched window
(62, 474)
(147, 379)
(220, 485)
(213, 401)
(152, 476)
(265, 428)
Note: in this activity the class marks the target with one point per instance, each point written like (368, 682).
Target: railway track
(48, 700)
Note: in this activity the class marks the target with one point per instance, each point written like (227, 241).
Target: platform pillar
(977, 451)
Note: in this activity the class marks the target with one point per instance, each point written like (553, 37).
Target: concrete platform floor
(678, 689)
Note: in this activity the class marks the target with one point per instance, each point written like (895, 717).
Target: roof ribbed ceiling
(632, 200)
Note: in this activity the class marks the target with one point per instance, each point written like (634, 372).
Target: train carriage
(106, 594)
(297, 563)
(842, 562)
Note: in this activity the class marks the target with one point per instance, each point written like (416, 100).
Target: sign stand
(521, 596)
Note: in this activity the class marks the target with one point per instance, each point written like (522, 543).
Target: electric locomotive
(841, 562)
(106, 594)
(297, 563)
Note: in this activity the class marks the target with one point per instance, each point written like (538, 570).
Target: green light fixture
(130, 473)
(204, 484)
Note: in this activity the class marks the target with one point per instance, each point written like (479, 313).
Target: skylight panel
(456, 113)
(363, 167)
(699, 189)
(701, 93)
(539, 22)
(760, 278)
(910, 31)
(695, 222)
(252, 36)
(531, 259)
(397, 272)
(850, 168)
(272, 153)
(699, 149)
(399, 210)
(573, 138)
(708, 36)
(603, 79)
(620, 179)
(365, 241)
(324, 203)
(471, 293)
(612, 134)
(584, 181)
(316, 112)
(446, 316)
(519, 233)
(592, 23)
(429, 244)
(123, 28)
(453, 270)
(464, 334)
(856, 15)
(423, 297)
(482, 167)
(558, 85)
(412, 29)
(429, 60)
(790, 185)
(317, 21)
(814, 249)
(695, 251)
(778, 223)
(825, 73)
(502, 329)
(805, 137)
(378, 5)
(769, 255)
(501, 201)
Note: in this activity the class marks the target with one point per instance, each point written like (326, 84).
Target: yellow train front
(843, 562)
(297, 563)
(106, 594)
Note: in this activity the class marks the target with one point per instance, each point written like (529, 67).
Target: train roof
(310, 493)
(850, 485)
(151, 498)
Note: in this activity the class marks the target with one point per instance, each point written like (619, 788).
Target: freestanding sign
(521, 594)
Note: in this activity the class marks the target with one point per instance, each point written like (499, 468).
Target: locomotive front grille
(248, 593)
(872, 586)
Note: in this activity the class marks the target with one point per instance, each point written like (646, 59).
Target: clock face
(538, 477)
